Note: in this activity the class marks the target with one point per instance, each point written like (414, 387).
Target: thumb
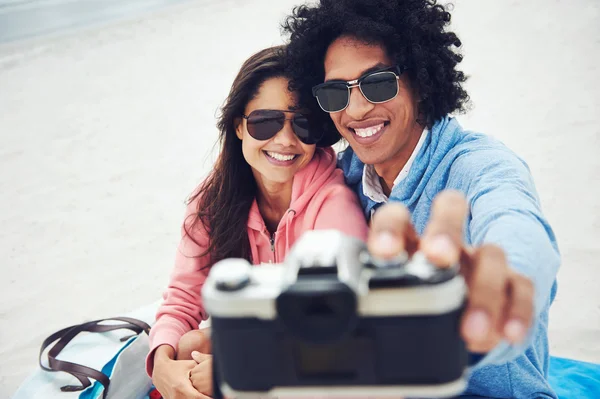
(391, 232)
(200, 357)
(442, 241)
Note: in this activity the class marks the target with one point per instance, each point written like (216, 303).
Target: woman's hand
(172, 377)
(201, 375)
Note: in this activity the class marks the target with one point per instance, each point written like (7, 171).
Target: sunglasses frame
(350, 84)
(282, 126)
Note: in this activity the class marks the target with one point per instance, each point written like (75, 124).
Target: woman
(274, 179)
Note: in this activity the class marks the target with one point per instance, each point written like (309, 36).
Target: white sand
(104, 132)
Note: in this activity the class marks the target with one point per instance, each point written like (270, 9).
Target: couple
(382, 75)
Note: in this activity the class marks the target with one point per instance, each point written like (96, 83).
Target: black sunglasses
(376, 86)
(264, 124)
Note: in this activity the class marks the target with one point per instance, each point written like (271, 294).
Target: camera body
(332, 321)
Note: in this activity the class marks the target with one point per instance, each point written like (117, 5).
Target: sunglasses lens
(264, 124)
(333, 97)
(303, 131)
(379, 87)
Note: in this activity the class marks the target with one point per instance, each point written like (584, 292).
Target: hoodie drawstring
(287, 229)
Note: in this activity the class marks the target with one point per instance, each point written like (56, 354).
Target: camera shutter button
(232, 275)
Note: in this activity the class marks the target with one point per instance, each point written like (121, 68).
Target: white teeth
(369, 131)
(280, 157)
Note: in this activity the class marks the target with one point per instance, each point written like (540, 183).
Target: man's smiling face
(380, 134)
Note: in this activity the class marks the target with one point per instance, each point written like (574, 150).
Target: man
(385, 74)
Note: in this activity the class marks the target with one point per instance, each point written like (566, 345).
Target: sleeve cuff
(160, 337)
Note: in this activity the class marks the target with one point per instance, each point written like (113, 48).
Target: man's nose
(359, 106)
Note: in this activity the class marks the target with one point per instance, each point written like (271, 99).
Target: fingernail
(442, 248)
(477, 325)
(195, 353)
(386, 242)
(514, 330)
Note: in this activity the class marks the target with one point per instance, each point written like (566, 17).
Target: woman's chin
(278, 177)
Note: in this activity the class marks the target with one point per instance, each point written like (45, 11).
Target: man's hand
(500, 301)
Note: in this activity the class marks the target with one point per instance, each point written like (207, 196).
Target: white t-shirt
(370, 180)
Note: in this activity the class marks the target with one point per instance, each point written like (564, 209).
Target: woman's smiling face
(278, 159)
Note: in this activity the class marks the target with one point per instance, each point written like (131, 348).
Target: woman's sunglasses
(377, 87)
(263, 124)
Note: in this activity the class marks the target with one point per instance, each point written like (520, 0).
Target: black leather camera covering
(257, 355)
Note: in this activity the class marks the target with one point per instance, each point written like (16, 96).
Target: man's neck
(389, 170)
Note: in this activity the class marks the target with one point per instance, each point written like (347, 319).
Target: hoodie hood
(319, 172)
(307, 188)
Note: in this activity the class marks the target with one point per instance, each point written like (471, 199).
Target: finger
(188, 391)
(487, 298)
(202, 378)
(200, 357)
(391, 232)
(442, 240)
(191, 392)
(519, 308)
(187, 365)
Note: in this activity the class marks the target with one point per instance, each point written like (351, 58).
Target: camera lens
(318, 310)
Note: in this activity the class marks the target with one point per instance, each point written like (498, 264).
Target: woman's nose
(286, 136)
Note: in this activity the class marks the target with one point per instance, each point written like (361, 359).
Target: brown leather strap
(61, 338)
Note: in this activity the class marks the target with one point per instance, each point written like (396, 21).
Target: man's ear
(239, 128)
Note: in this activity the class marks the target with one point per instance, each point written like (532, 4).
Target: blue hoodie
(504, 210)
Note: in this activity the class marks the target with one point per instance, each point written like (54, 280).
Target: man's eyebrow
(376, 67)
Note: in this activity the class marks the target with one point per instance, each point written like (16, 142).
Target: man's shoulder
(344, 157)
(477, 152)
(481, 161)
(352, 167)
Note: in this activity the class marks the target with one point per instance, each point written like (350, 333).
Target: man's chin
(369, 157)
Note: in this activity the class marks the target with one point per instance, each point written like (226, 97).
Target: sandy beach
(105, 130)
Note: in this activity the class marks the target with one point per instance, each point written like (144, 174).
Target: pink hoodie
(320, 200)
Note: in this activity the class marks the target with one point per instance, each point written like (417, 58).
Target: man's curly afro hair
(413, 33)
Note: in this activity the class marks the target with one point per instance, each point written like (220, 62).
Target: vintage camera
(331, 321)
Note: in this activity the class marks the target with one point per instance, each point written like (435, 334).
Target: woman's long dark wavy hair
(413, 33)
(227, 194)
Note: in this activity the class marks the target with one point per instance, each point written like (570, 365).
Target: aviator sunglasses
(263, 124)
(377, 87)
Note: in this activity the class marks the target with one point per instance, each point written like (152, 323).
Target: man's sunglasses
(377, 87)
(263, 124)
